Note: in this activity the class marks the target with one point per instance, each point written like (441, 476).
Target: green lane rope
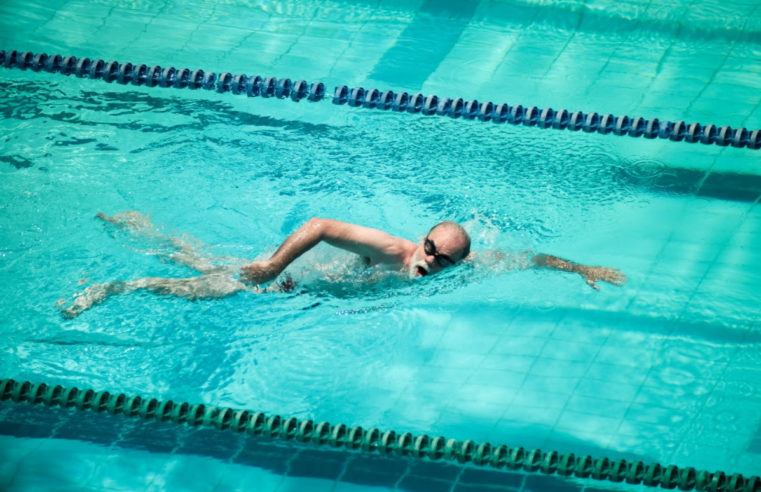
(378, 441)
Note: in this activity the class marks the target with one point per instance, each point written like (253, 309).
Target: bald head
(459, 234)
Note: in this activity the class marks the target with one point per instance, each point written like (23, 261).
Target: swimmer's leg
(131, 220)
(184, 253)
(141, 225)
(212, 286)
(92, 296)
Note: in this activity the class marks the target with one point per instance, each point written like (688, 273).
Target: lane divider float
(359, 97)
(377, 440)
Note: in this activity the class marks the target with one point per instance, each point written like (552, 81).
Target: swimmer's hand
(591, 274)
(594, 274)
(259, 272)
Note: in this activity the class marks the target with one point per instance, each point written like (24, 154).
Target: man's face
(441, 248)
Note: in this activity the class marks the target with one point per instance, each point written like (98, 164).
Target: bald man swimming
(446, 245)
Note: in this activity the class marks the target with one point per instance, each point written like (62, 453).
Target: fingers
(613, 276)
(610, 275)
(618, 279)
(614, 279)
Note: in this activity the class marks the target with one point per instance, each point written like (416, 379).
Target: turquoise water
(664, 369)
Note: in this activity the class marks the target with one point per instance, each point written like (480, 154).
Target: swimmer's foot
(105, 217)
(91, 296)
(131, 219)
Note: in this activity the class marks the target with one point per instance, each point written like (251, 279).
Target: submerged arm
(591, 274)
(374, 245)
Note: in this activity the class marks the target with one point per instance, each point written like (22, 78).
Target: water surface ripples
(367, 347)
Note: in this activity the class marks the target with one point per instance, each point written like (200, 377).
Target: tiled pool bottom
(83, 450)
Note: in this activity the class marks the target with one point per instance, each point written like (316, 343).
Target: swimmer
(445, 245)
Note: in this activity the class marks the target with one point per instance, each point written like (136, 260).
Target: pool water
(663, 369)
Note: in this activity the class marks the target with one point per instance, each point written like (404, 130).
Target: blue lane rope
(255, 85)
(378, 441)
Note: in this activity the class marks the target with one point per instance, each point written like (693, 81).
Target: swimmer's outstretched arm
(374, 245)
(591, 274)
